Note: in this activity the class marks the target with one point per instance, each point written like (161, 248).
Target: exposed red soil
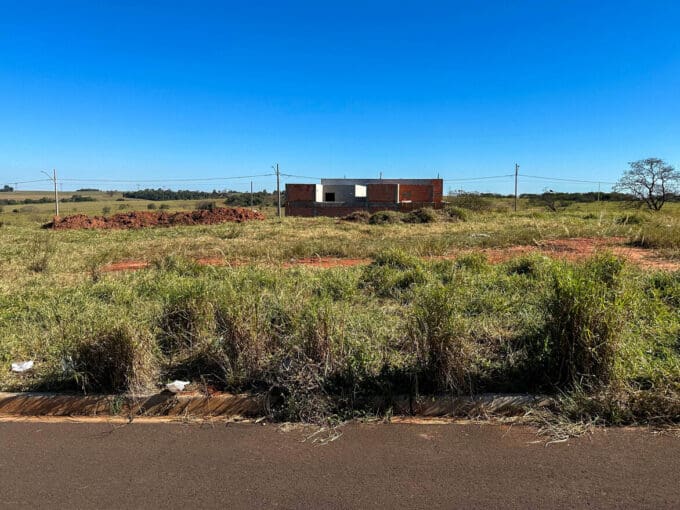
(578, 248)
(142, 219)
(125, 265)
(572, 249)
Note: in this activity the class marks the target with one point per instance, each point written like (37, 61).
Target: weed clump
(358, 217)
(438, 332)
(532, 266)
(424, 215)
(585, 319)
(186, 323)
(454, 213)
(475, 262)
(114, 361)
(630, 219)
(658, 236)
(385, 218)
(41, 253)
(392, 273)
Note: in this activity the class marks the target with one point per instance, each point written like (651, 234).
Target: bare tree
(650, 180)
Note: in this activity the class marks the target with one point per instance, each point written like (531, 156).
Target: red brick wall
(438, 190)
(415, 193)
(381, 192)
(300, 192)
(309, 209)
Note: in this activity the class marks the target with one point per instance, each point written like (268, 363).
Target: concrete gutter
(159, 404)
(227, 405)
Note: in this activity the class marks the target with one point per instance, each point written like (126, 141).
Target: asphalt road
(100, 465)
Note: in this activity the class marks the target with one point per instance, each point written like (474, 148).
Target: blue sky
(135, 90)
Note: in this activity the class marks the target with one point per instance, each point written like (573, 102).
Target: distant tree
(651, 181)
(549, 199)
(7, 188)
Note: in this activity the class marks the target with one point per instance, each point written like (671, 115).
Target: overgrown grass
(601, 335)
(328, 343)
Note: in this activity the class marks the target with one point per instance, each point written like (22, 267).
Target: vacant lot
(583, 303)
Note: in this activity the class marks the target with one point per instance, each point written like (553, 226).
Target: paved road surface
(67, 465)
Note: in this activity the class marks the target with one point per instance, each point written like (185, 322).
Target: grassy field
(602, 334)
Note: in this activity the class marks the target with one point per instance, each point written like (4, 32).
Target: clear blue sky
(164, 90)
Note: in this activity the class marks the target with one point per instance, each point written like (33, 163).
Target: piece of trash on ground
(177, 386)
(22, 366)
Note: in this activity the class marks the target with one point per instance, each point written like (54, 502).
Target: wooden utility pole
(251, 194)
(516, 174)
(53, 178)
(278, 191)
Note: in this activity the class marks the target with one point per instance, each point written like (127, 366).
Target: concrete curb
(159, 404)
(225, 405)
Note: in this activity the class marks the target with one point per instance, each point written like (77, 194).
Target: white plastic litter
(22, 366)
(177, 386)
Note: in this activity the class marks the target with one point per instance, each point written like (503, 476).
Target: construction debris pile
(142, 219)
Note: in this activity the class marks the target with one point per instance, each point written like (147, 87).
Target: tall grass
(585, 317)
(332, 343)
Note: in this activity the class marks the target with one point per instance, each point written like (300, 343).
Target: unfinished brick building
(339, 197)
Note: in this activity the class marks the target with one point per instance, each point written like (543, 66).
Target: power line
(302, 177)
(480, 178)
(445, 180)
(564, 179)
(197, 179)
(28, 182)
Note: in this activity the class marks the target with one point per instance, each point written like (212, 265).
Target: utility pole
(53, 178)
(278, 191)
(251, 194)
(516, 174)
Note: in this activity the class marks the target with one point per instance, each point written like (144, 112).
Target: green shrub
(476, 262)
(472, 202)
(454, 213)
(530, 265)
(392, 273)
(667, 287)
(425, 215)
(164, 207)
(106, 210)
(151, 207)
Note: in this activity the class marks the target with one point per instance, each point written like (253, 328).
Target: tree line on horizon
(230, 197)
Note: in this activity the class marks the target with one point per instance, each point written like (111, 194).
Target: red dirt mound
(141, 219)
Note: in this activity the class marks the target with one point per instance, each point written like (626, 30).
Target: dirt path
(572, 249)
(218, 465)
